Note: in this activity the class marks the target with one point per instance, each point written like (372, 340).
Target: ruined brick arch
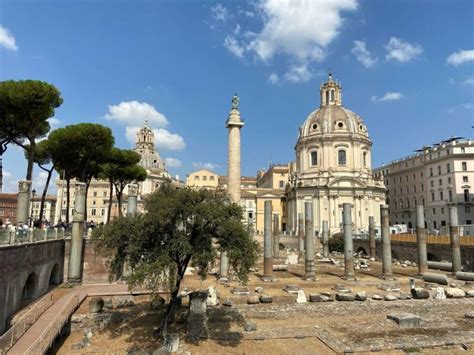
(55, 275)
(30, 288)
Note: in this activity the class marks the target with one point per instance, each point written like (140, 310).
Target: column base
(223, 280)
(73, 282)
(349, 278)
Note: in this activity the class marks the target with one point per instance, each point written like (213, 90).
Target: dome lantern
(331, 92)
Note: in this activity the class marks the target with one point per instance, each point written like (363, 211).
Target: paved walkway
(35, 331)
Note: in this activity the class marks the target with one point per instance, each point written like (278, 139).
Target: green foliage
(120, 169)
(336, 243)
(26, 106)
(181, 225)
(80, 149)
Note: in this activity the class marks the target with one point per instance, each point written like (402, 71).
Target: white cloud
(135, 113)
(299, 73)
(273, 78)
(470, 80)
(164, 140)
(468, 106)
(208, 166)
(6, 39)
(173, 162)
(220, 13)
(54, 122)
(389, 96)
(301, 29)
(460, 57)
(233, 46)
(402, 51)
(363, 55)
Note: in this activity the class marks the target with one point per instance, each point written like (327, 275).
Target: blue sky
(406, 66)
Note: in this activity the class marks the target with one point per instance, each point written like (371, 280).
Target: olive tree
(181, 227)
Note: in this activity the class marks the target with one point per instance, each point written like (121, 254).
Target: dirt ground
(284, 327)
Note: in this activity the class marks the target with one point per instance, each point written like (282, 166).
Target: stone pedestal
(267, 243)
(454, 236)
(372, 246)
(348, 243)
(77, 241)
(23, 202)
(421, 240)
(386, 244)
(132, 200)
(197, 317)
(309, 265)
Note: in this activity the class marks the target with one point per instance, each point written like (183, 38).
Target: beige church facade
(333, 166)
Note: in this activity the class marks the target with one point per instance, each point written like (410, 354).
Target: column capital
(24, 185)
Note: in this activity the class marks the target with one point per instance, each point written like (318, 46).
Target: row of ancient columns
(453, 235)
(306, 241)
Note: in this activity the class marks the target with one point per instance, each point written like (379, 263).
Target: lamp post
(33, 194)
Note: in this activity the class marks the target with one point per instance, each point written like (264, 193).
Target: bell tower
(331, 92)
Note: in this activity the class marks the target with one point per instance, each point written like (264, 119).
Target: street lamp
(33, 194)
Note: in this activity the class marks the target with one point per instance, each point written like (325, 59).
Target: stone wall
(408, 251)
(95, 268)
(27, 272)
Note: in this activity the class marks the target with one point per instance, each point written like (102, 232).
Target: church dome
(331, 117)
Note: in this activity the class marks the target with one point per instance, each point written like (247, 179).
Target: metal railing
(46, 339)
(13, 235)
(24, 323)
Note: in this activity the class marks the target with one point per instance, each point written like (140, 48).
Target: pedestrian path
(37, 329)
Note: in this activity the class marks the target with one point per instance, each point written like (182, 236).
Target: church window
(315, 126)
(196, 177)
(314, 158)
(282, 184)
(341, 157)
(327, 97)
(360, 127)
(340, 125)
(364, 157)
(211, 178)
(332, 95)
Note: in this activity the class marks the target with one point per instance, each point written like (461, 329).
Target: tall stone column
(348, 243)
(276, 235)
(421, 240)
(454, 236)
(23, 202)
(132, 200)
(300, 234)
(386, 244)
(78, 217)
(267, 242)
(309, 266)
(234, 123)
(372, 245)
(325, 239)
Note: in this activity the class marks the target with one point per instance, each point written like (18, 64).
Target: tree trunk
(45, 191)
(119, 202)
(68, 188)
(31, 158)
(168, 317)
(109, 209)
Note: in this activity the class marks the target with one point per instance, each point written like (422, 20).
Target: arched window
(341, 157)
(314, 158)
(364, 158)
(332, 95)
(327, 97)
